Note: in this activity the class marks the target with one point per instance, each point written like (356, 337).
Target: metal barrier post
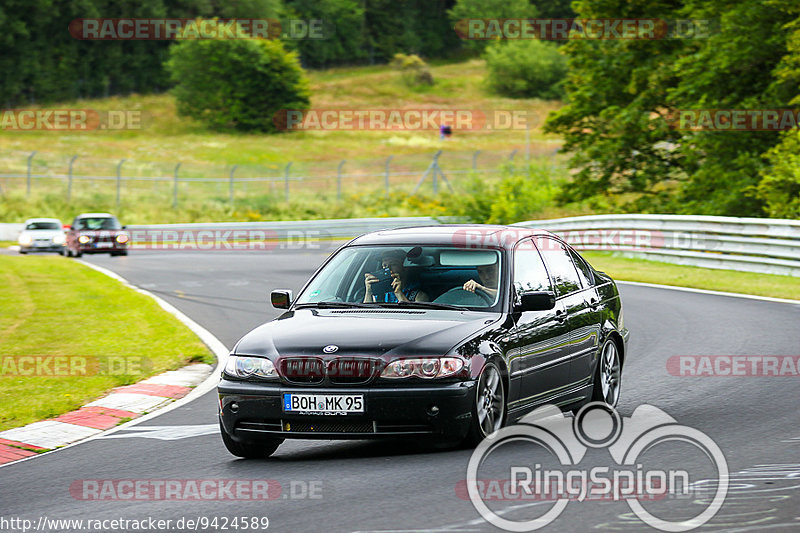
(119, 179)
(69, 178)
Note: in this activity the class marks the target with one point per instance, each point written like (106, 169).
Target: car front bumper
(249, 411)
(93, 248)
(49, 247)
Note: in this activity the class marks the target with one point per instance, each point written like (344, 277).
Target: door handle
(594, 303)
(561, 315)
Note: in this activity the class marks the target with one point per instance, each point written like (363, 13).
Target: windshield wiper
(424, 305)
(331, 305)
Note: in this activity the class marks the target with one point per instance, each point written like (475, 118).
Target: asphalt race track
(342, 486)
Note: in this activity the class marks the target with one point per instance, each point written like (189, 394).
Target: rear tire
(260, 449)
(608, 376)
(78, 253)
(489, 407)
(23, 252)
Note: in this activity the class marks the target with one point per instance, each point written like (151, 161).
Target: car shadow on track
(337, 450)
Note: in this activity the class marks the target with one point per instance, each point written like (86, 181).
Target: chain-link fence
(37, 172)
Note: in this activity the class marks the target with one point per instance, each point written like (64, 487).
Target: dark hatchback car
(475, 327)
(96, 233)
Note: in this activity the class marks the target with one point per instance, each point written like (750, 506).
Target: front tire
(608, 376)
(489, 409)
(260, 449)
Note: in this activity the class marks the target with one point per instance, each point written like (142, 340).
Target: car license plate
(104, 245)
(323, 403)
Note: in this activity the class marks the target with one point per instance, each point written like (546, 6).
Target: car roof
(95, 215)
(471, 235)
(31, 220)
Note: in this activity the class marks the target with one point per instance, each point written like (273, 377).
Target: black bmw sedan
(444, 333)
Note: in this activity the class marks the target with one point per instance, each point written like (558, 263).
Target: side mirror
(281, 298)
(72, 228)
(535, 301)
(124, 227)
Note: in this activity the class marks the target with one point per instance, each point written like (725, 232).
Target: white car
(42, 235)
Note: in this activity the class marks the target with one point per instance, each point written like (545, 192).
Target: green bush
(779, 188)
(526, 69)
(517, 196)
(236, 83)
(413, 69)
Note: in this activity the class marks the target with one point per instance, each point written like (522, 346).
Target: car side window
(584, 272)
(560, 265)
(530, 273)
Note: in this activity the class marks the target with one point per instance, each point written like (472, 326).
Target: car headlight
(25, 239)
(58, 239)
(428, 367)
(83, 239)
(245, 367)
(122, 238)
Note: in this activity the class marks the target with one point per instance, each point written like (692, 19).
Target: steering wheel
(459, 296)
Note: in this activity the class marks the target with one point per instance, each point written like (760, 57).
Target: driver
(403, 290)
(488, 283)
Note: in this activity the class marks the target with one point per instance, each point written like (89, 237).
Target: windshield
(420, 276)
(43, 225)
(98, 223)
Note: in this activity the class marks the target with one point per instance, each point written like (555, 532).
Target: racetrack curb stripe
(174, 379)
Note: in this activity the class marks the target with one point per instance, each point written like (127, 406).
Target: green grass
(630, 269)
(166, 137)
(52, 306)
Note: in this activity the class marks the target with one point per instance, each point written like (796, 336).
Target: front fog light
(122, 238)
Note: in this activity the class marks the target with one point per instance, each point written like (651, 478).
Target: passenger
(403, 289)
(488, 283)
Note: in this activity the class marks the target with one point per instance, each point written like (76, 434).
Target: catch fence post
(30, 158)
(119, 179)
(69, 178)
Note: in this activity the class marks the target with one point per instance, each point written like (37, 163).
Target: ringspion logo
(596, 426)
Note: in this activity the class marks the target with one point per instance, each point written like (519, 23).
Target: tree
(464, 10)
(622, 94)
(236, 83)
(526, 69)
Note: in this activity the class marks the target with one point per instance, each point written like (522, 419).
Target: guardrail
(769, 246)
(335, 228)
